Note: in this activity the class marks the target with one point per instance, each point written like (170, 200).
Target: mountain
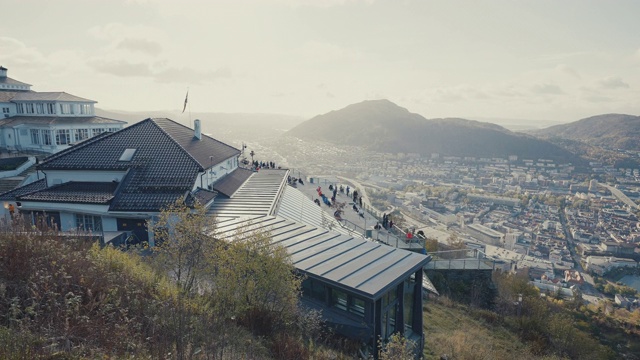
(383, 126)
(611, 131)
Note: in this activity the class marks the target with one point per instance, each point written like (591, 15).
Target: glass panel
(356, 306)
(338, 299)
(409, 287)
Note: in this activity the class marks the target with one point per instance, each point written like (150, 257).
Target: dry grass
(452, 331)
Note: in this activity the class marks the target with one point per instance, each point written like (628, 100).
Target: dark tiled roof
(26, 189)
(229, 184)
(160, 172)
(49, 96)
(59, 120)
(207, 151)
(75, 192)
(202, 196)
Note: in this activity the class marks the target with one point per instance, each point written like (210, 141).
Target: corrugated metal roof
(257, 196)
(362, 267)
(296, 206)
(229, 184)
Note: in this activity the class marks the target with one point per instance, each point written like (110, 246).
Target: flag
(185, 102)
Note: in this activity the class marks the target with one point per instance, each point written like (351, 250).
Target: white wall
(221, 170)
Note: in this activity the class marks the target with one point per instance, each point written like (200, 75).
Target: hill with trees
(380, 125)
(610, 131)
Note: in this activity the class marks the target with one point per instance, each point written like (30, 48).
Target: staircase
(8, 184)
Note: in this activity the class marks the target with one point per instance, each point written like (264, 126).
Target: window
(338, 299)
(30, 109)
(81, 134)
(20, 108)
(409, 289)
(40, 108)
(98, 131)
(314, 289)
(356, 306)
(112, 129)
(85, 109)
(46, 137)
(51, 108)
(63, 137)
(5, 110)
(35, 136)
(86, 222)
(127, 155)
(66, 108)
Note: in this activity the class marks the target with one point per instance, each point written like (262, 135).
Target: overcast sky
(547, 60)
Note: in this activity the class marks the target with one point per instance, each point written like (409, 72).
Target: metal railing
(464, 259)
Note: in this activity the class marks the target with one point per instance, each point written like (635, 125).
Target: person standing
(12, 210)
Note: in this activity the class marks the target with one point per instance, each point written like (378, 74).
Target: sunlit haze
(543, 60)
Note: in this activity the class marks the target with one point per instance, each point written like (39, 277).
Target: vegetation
(406, 132)
(524, 323)
(63, 297)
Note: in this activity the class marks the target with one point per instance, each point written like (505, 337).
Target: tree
(181, 244)
(397, 348)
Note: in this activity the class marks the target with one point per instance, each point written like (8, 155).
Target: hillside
(611, 131)
(380, 125)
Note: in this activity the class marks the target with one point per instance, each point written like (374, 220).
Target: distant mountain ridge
(611, 131)
(383, 126)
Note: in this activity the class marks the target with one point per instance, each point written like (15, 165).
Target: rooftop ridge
(153, 120)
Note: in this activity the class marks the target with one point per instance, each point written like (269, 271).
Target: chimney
(3, 72)
(196, 129)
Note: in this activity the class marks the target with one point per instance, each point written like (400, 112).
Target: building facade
(46, 122)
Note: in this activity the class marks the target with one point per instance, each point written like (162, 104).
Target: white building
(603, 264)
(46, 121)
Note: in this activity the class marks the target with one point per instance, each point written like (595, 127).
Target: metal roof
(362, 267)
(229, 184)
(296, 206)
(257, 196)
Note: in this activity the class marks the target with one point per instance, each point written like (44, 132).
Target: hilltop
(380, 125)
(610, 131)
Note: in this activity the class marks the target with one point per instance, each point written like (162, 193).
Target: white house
(115, 182)
(46, 121)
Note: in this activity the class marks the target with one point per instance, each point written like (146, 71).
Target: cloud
(122, 68)
(326, 52)
(546, 89)
(324, 3)
(117, 32)
(15, 52)
(141, 45)
(565, 69)
(612, 82)
(190, 76)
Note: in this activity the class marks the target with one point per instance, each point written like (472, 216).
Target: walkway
(363, 225)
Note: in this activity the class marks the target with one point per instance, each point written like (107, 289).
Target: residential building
(46, 122)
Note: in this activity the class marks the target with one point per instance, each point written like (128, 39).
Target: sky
(541, 60)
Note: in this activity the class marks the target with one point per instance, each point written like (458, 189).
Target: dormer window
(127, 155)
